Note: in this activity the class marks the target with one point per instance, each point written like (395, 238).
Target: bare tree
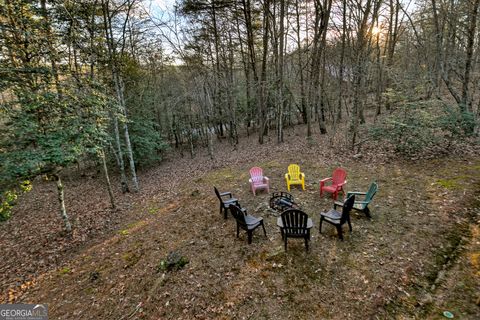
(119, 90)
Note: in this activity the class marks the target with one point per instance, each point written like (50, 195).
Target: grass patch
(132, 227)
(221, 176)
(271, 164)
(136, 225)
(152, 210)
(448, 253)
(64, 271)
(448, 183)
(131, 258)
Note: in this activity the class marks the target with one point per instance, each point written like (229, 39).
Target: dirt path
(388, 267)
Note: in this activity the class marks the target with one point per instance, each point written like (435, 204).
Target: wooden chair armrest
(266, 179)
(326, 179)
(287, 176)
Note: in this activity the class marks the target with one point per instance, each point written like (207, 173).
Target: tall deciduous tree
(114, 61)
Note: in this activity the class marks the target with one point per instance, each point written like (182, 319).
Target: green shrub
(174, 261)
(409, 129)
(147, 141)
(457, 123)
(416, 127)
(8, 199)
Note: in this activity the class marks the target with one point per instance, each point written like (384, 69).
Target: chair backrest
(347, 207)
(256, 173)
(238, 214)
(294, 222)
(294, 171)
(218, 194)
(338, 176)
(371, 191)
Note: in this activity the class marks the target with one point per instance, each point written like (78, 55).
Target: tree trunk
(246, 69)
(438, 48)
(230, 94)
(360, 65)
(128, 144)
(465, 103)
(323, 96)
(247, 12)
(121, 163)
(281, 84)
(119, 89)
(61, 201)
(303, 104)
(190, 141)
(51, 49)
(263, 81)
(322, 17)
(342, 60)
(210, 144)
(107, 178)
(379, 86)
(91, 31)
(218, 75)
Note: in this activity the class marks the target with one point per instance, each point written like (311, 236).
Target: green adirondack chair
(361, 205)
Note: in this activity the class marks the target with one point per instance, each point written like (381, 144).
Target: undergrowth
(421, 127)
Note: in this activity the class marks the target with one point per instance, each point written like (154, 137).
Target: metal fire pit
(281, 201)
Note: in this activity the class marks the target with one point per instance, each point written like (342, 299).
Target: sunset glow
(376, 30)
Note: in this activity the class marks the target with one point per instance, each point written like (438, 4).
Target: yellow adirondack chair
(294, 176)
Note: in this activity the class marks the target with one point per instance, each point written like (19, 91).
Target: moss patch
(271, 165)
(448, 183)
(131, 258)
(124, 232)
(64, 271)
(221, 176)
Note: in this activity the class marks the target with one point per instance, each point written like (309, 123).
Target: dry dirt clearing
(418, 256)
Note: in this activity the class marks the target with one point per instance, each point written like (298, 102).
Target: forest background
(118, 116)
(116, 84)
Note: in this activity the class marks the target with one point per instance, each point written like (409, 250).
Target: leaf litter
(381, 270)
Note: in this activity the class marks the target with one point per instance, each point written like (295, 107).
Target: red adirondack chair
(337, 182)
(258, 180)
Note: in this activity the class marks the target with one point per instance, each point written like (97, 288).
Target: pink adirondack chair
(258, 180)
(338, 179)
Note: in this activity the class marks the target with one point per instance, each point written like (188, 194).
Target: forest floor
(418, 256)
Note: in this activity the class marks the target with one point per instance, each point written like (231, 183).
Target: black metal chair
(225, 202)
(339, 219)
(295, 223)
(246, 221)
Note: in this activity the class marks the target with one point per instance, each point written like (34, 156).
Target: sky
(162, 5)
